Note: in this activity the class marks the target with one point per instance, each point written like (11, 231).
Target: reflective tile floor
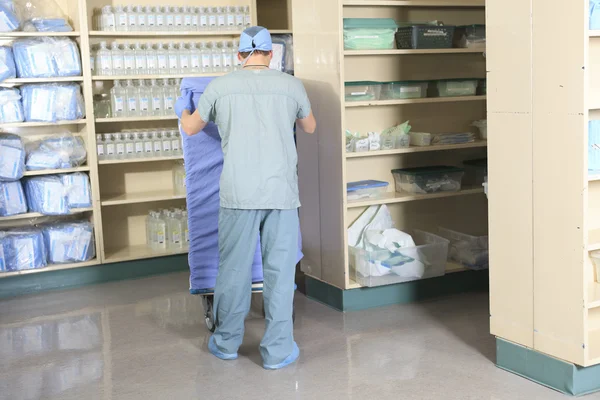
(146, 340)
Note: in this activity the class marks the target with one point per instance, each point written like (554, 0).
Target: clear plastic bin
(475, 172)
(376, 268)
(366, 189)
(404, 90)
(455, 87)
(362, 91)
(369, 33)
(470, 251)
(425, 180)
(470, 36)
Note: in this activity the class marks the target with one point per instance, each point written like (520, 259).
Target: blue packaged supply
(283, 57)
(594, 14)
(7, 63)
(50, 25)
(3, 242)
(12, 158)
(46, 195)
(594, 146)
(52, 102)
(46, 57)
(25, 249)
(9, 17)
(12, 199)
(69, 242)
(77, 186)
(11, 109)
(57, 152)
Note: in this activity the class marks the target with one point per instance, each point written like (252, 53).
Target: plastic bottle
(175, 143)
(160, 233)
(117, 101)
(100, 147)
(174, 228)
(226, 56)
(138, 145)
(141, 18)
(128, 59)
(109, 147)
(104, 60)
(108, 22)
(186, 232)
(195, 64)
(162, 59)
(132, 99)
(230, 13)
(178, 18)
(151, 229)
(151, 59)
(141, 62)
(203, 18)
(156, 98)
(239, 18)
(166, 144)
(144, 99)
(247, 17)
(173, 58)
(221, 19)
(212, 18)
(93, 50)
(184, 59)
(205, 58)
(128, 138)
(148, 147)
(120, 19)
(217, 58)
(119, 146)
(237, 64)
(160, 19)
(131, 19)
(169, 18)
(118, 61)
(194, 18)
(157, 143)
(150, 18)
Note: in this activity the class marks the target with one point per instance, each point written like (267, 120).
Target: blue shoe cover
(289, 360)
(212, 347)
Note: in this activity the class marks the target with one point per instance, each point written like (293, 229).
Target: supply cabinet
(123, 190)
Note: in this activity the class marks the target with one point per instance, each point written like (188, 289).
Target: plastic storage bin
(470, 251)
(362, 91)
(425, 37)
(428, 179)
(376, 268)
(366, 189)
(475, 172)
(469, 36)
(369, 33)
(403, 90)
(455, 87)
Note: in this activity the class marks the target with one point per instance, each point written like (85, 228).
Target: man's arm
(192, 124)
(308, 124)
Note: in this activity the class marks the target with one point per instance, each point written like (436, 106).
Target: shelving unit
(168, 76)
(324, 165)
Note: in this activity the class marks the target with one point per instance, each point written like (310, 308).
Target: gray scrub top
(255, 111)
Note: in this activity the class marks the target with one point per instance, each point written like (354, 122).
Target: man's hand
(184, 102)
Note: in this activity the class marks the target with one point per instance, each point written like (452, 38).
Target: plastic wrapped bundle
(452, 138)
(48, 25)
(3, 242)
(69, 242)
(594, 14)
(12, 199)
(12, 158)
(43, 16)
(46, 195)
(46, 57)
(77, 187)
(11, 109)
(62, 151)
(7, 63)
(52, 102)
(24, 249)
(283, 55)
(9, 17)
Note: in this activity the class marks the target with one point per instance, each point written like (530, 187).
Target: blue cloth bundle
(69, 242)
(9, 18)
(24, 249)
(46, 57)
(8, 69)
(63, 151)
(77, 187)
(11, 109)
(50, 25)
(12, 199)
(46, 195)
(52, 102)
(12, 158)
(594, 14)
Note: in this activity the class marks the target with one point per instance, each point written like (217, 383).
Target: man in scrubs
(255, 109)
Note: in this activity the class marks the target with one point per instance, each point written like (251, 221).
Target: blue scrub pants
(238, 235)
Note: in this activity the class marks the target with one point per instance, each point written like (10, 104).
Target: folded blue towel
(12, 199)
(11, 109)
(52, 102)
(69, 242)
(23, 249)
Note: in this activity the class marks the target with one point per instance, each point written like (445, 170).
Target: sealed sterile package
(3, 242)
(12, 199)
(77, 187)
(24, 248)
(12, 158)
(11, 109)
(52, 102)
(7, 63)
(69, 242)
(46, 195)
(283, 55)
(10, 19)
(46, 57)
(59, 151)
(594, 14)
(43, 16)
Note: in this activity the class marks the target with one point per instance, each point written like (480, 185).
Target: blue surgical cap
(255, 38)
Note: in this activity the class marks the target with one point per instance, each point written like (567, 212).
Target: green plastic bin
(425, 180)
(404, 90)
(362, 91)
(369, 33)
(455, 87)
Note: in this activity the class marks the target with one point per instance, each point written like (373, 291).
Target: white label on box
(358, 93)
(409, 89)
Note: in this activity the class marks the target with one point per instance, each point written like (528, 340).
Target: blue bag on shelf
(11, 109)
(57, 152)
(12, 157)
(7, 63)
(3, 242)
(52, 102)
(25, 249)
(48, 25)
(594, 146)
(46, 195)
(46, 57)
(69, 242)
(594, 14)
(9, 17)
(77, 186)
(12, 199)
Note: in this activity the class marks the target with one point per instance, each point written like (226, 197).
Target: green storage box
(403, 90)
(455, 87)
(425, 180)
(362, 91)
(369, 33)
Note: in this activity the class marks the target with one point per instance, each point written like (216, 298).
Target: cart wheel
(209, 318)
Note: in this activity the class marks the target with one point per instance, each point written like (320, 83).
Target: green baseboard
(363, 298)
(546, 370)
(70, 278)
